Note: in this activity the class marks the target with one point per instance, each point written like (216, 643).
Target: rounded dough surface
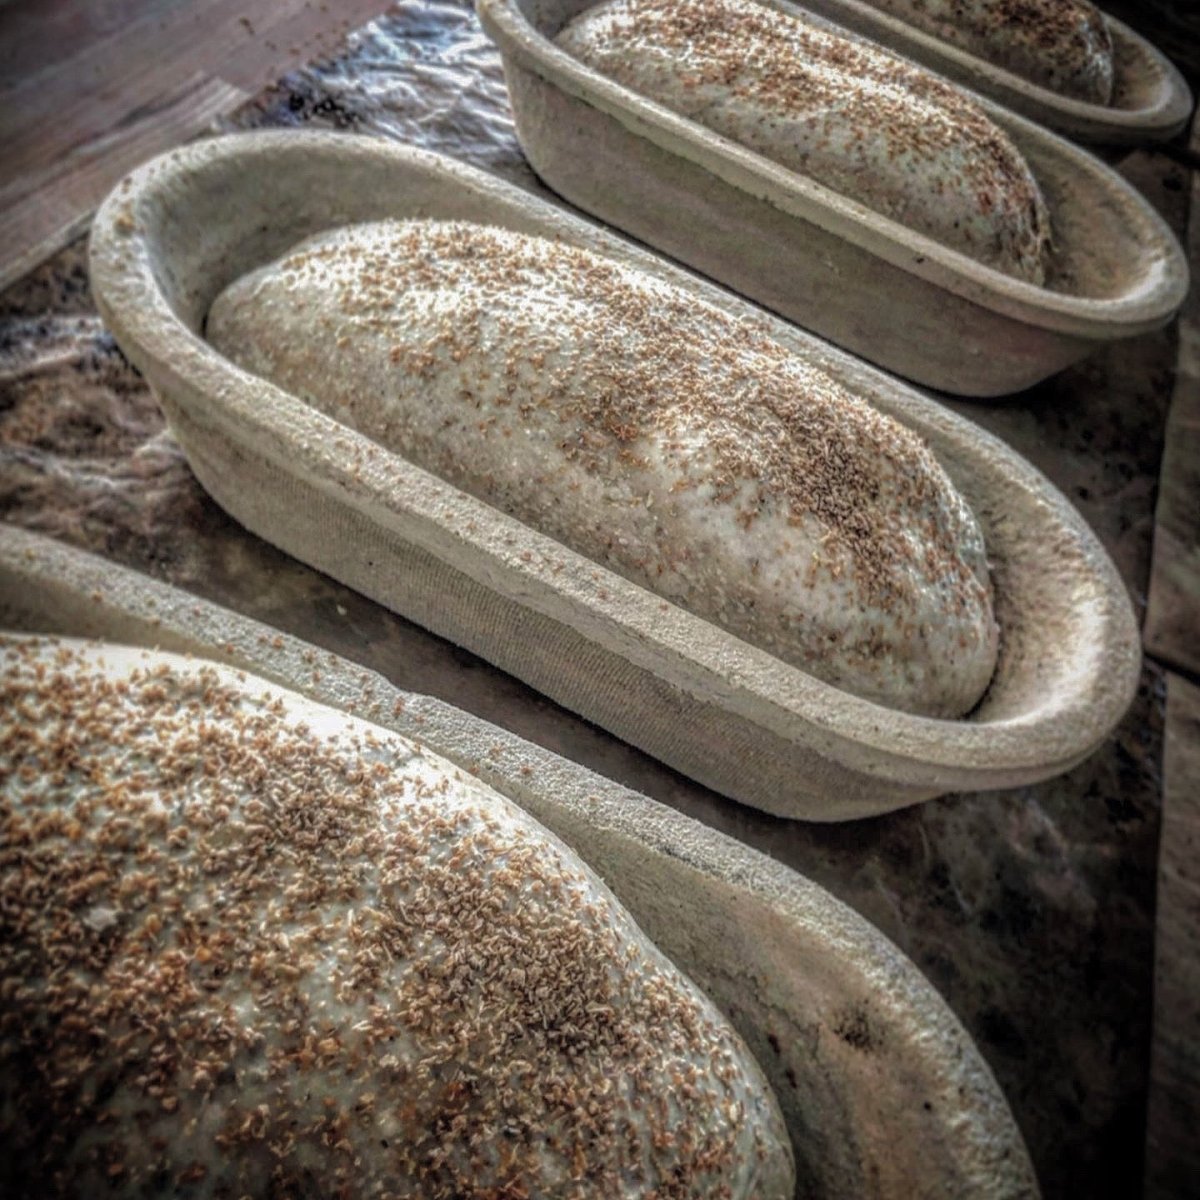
(250, 946)
(646, 430)
(853, 117)
(1063, 45)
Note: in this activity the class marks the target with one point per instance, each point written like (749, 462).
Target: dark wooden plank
(1173, 1114)
(313, 30)
(1172, 627)
(37, 36)
(39, 222)
(105, 90)
(91, 93)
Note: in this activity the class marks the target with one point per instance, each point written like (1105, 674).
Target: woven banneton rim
(1155, 266)
(886, 292)
(1152, 102)
(883, 1091)
(726, 713)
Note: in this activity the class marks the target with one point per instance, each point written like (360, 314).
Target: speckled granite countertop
(1031, 910)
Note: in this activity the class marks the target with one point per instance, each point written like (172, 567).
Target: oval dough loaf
(1063, 45)
(254, 947)
(862, 122)
(646, 430)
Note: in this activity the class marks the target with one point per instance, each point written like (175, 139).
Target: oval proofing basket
(832, 265)
(724, 712)
(1151, 99)
(884, 1093)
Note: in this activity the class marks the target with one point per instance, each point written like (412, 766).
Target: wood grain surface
(91, 89)
(1172, 634)
(1172, 1147)
(1172, 627)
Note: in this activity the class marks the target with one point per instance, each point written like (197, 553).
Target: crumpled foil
(425, 74)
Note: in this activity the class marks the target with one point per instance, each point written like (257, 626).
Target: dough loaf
(858, 120)
(648, 431)
(1063, 45)
(254, 947)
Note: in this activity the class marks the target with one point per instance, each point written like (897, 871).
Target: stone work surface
(1032, 910)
